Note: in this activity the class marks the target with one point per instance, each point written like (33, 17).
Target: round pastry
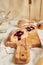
(22, 23)
(33, 37)
(17, 37)
(40, 26)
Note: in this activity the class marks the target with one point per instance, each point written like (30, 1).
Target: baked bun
(40, 26)
(23, 22)
(15, 37)
(33, 38)
(17, 40)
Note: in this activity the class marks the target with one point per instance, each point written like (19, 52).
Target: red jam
(38, 25)
(19, 34)
(30, 28)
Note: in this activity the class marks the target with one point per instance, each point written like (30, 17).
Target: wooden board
(35, 10)
(41, 10)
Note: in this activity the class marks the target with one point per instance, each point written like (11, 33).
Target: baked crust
(40, 26)
(22, 23)
(33, 39)
(12, 41)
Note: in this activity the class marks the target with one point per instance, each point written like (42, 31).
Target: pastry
(33, 38)
(40, 26)
(22, 23)
(25, 22)
(17, 40)
(15, 37)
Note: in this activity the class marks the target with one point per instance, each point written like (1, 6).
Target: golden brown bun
(26, 22)
(40, 62)
(20, 45)
(40, 26)
(22, 23)
(13, 41)
(33, 38)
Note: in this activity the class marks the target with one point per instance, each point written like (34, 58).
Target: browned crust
(40, 26)
(8, 43)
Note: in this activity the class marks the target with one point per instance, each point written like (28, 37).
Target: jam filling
(19, 34)
(30, 28)
(39, 25)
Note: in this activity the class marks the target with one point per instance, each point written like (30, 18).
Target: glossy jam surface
(29, 28)
(19, 34)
